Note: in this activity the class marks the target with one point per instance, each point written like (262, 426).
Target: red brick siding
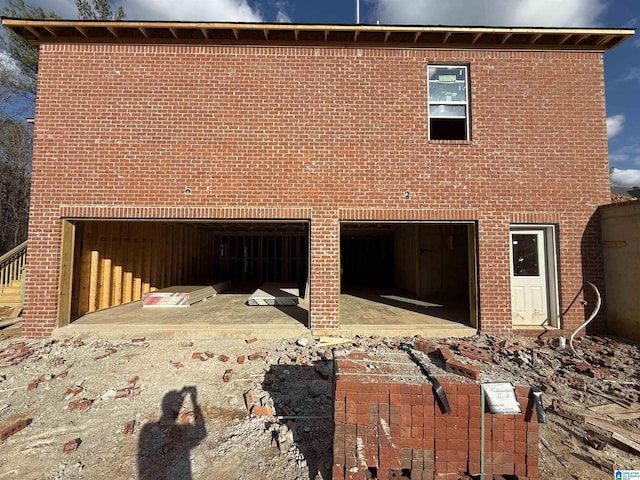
(333, 131)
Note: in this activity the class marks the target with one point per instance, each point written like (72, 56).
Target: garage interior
(420, 274)
(398, 278)
(112, 263)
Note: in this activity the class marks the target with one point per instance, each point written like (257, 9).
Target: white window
(448, 102)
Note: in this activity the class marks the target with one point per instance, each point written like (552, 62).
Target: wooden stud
(85, 274)
(473, 277)
(65, 286)
(136, 247)
(127, 264)
(104, 247)
(175, 249)
(95, 268)
(147, 252)
(77, 269)
(116, 263)
(168, 254)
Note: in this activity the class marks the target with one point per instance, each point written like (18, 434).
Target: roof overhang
(37, 32)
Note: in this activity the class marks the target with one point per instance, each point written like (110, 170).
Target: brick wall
(340, 133)
(389, 425)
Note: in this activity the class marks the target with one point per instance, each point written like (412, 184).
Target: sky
(622, 65)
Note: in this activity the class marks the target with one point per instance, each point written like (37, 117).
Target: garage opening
(110, 263)
(408, 273)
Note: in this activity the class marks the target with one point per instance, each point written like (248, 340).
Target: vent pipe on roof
(357, 12)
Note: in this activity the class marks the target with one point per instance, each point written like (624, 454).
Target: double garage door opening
(407, 265)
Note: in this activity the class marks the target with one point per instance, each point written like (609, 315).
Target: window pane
(525, 255)
(448, 129)
(447, 110)
(447, 92)
(447, 74)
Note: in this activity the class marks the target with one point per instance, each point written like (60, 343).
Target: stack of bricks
(389, 424)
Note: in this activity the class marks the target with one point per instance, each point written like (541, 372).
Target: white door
(529, 279)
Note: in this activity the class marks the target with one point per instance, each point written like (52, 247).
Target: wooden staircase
(11, 276)
(11, 294)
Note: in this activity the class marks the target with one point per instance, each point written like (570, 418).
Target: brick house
(435, 160)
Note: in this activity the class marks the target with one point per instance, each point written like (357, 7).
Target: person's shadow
(164, 446)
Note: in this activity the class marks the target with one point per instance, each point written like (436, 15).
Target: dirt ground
(162, 408)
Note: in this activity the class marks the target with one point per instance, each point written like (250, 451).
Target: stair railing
(12, 265)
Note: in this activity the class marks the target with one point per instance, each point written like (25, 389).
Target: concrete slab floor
(227, 315)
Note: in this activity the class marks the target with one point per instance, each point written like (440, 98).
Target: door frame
(550, 250)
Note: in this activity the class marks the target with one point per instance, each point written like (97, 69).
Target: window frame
(466, 103)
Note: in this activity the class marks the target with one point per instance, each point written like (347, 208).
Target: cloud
(615, 125)
(192, 10)
(625, 178)
(618, 157)
(64, 8)
(633, 74)
(533, 13)
(282, 17)
(628, 154)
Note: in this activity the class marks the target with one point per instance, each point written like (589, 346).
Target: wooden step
(8, 289)
(6, 298)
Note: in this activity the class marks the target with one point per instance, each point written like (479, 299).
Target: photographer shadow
(164, 446)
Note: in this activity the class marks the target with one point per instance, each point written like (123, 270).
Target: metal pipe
(357, 12)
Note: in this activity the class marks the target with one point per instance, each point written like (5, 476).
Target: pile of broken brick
(591, 390)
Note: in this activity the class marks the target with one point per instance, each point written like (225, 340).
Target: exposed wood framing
(66, 273)
(107, 263)
(473, 274)
(37, 32)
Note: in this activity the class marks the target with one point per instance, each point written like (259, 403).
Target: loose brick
(241, 359)
(476, 353)
(14, 428)
(260, 410)
(227, 375)
(445, 354)
(74, 390)
(223, 358)
(81, 404)
(248, 400)
(254, 356)
(129, 428)
(424, 346)
(469, 371)
(71, 446)
(123, 393)
(251, 340)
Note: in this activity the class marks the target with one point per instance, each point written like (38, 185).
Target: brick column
(325, 271)
(494, 276)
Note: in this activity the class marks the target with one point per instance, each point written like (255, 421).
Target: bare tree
(20, 55)
(18, 82)
(98, 10)
(15, 179)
